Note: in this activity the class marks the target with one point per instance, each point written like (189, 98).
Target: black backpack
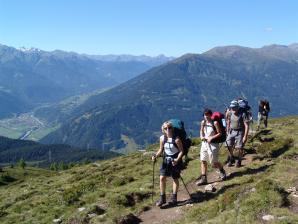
(244, 108)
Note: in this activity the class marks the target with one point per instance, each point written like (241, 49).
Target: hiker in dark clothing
(209, 131)
(263, 112)
(172, 151)
(237, 128)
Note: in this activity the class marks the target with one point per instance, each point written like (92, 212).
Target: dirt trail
(168, 214)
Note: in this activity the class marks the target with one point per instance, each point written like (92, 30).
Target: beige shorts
(209, 152)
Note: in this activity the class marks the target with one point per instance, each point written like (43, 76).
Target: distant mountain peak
(227, 50)
(31, 49)
(294, 46)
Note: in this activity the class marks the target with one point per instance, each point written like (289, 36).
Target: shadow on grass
(5, 179)
(281, 150)
(250, 150)
(130, 218)
(249, 171)
(260, 133)
(199, 196)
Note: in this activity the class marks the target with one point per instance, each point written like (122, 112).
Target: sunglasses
(168, 128)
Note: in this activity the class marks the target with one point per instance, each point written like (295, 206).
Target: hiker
(210, 130)
(172, 151)
(263, 112)
(237, 129)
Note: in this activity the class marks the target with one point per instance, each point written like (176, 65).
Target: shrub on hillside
(73, 194)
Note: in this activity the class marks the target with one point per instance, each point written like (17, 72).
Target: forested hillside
(131, 114)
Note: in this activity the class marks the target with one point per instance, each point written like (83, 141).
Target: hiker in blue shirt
(172, 151)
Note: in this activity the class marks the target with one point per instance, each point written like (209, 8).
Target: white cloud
(268, 29)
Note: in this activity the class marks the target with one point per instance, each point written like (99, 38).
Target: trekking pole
(153, 166)
(185, 186)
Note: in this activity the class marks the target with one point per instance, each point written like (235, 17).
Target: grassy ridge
(259, 188)
(111, 189)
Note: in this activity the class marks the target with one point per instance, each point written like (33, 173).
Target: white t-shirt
(208, 129)
(169, 146)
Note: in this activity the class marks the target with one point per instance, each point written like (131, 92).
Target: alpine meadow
(154, 112)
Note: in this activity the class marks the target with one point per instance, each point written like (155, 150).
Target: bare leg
(217, 165)
(175, 185)
(162, 184)
(265, 121)
(238, 163)
(203, 167)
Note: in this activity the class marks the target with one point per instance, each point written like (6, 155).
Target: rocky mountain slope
(30, 77)
(181, 89)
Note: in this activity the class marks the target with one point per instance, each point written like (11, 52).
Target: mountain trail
(167, 214)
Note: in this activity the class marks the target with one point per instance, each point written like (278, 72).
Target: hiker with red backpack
(237, 129)
(211, 133)
(171, 148)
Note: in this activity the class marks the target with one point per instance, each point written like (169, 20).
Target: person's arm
(246, 129)
(180, 148)
(160, 150)
(218, 133)
(202, 133)
(228, 121)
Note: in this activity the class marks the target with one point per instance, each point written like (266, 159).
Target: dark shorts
(168, 170)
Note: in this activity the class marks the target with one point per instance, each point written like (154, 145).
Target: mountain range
(31, 77)
(131, 114)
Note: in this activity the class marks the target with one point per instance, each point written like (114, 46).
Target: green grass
(11, 133)
(114, 188)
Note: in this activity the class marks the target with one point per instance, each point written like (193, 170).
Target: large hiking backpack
(179, 131)
(244, 108)
(219, 117)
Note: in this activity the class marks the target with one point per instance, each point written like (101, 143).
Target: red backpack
(219, 117)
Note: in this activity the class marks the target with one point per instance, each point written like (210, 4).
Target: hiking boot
(161, 201)
(238, 163)
(222, 175)
(201, 180)
(231, 161)
(173, 200)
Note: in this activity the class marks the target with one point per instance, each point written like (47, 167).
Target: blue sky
(151, 27)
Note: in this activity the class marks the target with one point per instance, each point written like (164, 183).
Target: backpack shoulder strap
(165, 139)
